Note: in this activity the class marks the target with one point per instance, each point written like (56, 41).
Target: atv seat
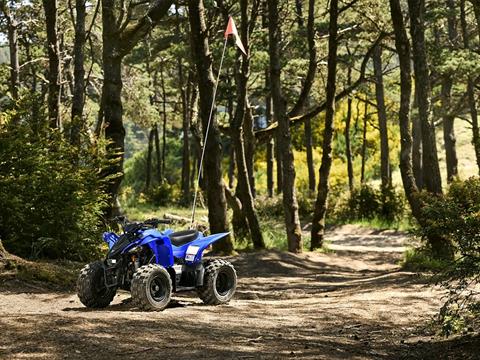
(183, 237)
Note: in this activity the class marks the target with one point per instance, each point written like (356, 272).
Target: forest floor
(351, 303)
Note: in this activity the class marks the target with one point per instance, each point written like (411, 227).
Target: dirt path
(354, 303)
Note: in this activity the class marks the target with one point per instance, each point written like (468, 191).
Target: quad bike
(152, 264)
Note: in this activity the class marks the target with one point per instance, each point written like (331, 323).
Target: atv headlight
(192, 250)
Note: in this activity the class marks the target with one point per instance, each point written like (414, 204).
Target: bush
(51, 195)
(456, 217)
(368, 203)
(163, 194)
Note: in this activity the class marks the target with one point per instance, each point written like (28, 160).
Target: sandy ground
(353, 303)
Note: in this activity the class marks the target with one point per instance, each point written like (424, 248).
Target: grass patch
(420, 260)
(405, 224)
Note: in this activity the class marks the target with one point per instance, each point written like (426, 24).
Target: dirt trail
(354, 303)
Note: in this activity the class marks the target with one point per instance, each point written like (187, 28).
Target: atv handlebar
(134, 226)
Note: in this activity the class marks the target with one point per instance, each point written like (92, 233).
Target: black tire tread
(85, 286)
(139, 287)
(206, 292)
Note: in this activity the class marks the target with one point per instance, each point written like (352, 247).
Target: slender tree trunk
(417, 145)
(12, 26)
(364, 144)
(158, 155)
(148, 179)
(290, 205)
(470, 85)
(309, 149)
(348, 146)
(318, 222)
(78, 101)
(231, 167)
(431, 170)
(54, 67)
(382, 118)
(244, 189)
(164, 117)
(448, 118)
(217, 206)
(270, 145)
(249, 138)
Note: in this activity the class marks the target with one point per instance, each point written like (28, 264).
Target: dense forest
(339, 112)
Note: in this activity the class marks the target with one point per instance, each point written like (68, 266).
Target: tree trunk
(249, 138)
(270, 146)
(13, 47)
(244, 189)
(470, 85)
(417, 145)
(448, 118)
(382, 119)
(318, 222)
(284, 147)
(158, 155)
(78, 101)
(164, 116)
(217, 206)
(309, 149)
(439, 245)
(54, 67)
(148, 179)
(364, 144)
(348, 146)
(431, 170)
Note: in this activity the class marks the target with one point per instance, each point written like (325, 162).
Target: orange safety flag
(232, 30)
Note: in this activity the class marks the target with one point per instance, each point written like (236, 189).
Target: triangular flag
(232, 30)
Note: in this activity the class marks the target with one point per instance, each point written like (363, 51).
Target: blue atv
(152, 264)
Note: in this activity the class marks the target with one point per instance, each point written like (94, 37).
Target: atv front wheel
(219, 282)
(151, 287)
(91, 288)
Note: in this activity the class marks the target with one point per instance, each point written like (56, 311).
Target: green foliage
(367, 203)
(163, 194)
(51, 195)
(421, 259)
(456, 216)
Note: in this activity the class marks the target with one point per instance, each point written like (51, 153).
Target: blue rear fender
(193, 251)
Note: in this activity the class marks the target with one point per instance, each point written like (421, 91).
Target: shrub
(456, 217)
(51, 195)
(368, 203)
(163, 194)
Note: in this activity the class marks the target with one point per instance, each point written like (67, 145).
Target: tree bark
(431, 170)
(78, 101)
(309, 149)
(12, 26)
(382, 119)
(284, 148)
(244, 189)
(417, 145)
(116, 44)
(148, 178)
(318, 222)
(158, 155)
(470, 85)
(54, 66)
(270, 145)
(348, 146)
(164, 117)
(364, 144)
(440, 246)
(446, 94)
(249, 138)
(217, 206)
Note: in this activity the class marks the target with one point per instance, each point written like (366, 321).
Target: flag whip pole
(200, 167)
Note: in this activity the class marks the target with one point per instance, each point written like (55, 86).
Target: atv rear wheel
(151, 287)
(91, 288)
(219, 282)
